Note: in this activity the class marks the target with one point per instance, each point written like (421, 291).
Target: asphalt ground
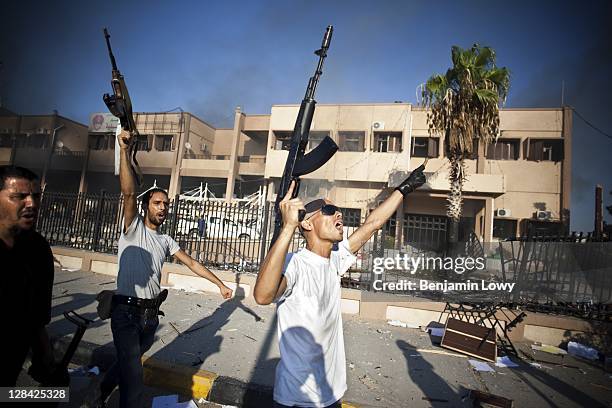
(235, 342)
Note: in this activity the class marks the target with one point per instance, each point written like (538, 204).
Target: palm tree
(464, 105)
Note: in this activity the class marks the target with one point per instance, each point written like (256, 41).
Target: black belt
(134, 301)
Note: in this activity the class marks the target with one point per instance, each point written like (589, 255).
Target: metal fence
(233, 236)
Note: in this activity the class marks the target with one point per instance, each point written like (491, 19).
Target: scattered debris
(249, 337)
(538, 365)
(106, 283)
(351, 366)
(175, 329)
(383, 332)
(398, 323)
(205, 401)
(580, 350)
(480, 366)
(546, 348)
(445, 353)
(505, 362)
(436, 331)
(490, 399)
(601, 386)
(434, 399)
(198, 362)
(84, 370)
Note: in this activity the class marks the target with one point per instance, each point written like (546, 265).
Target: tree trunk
(455, 201)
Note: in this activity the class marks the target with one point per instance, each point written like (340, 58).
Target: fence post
(264, 233)
(174, 216)
(98, 225)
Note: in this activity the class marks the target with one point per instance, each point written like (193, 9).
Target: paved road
(387, 366)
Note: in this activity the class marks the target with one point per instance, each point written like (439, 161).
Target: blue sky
(208, 57)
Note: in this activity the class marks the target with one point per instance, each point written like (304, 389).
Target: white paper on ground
(480, 366)
(505, 362)
(398, 323)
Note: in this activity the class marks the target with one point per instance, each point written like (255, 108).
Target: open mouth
(338, 225)
(28, 216)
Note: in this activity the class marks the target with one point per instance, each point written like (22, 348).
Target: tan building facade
(523, 181)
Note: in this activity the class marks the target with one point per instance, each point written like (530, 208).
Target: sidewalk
(229, 351)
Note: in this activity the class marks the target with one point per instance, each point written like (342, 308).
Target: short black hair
(147, 196)
(7, 172)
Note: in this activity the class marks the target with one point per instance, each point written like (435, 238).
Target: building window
(503, 149)
(99, 142)
(351, 140)
(388, 142)
(351, 217)
(38, 141)
(425, 146)
(504, 228)
(282, 139)
(6, 140)
(471, 156)
(315, 137)
(143, 143)
(163, 143)
(545, 150)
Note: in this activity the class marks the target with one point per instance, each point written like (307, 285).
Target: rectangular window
(99, 142)
(282, 139)
(545, 150)
(351, 140)
(143, 143)
(471, 156)
(425, 146)
(38, 141)
(504, 149)
(315, 137)
(163, 143)
(388, 142)
(6, 140)
(504, 228)
(351, 217)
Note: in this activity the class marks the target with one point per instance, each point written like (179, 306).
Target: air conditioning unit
(204, 147)
(543, 215)
(502, 212)
(42, 131)
(378, 125)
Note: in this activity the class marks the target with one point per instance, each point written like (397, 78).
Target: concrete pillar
(175, 175)
(399, 217)
(488, 219)
(566, 169)
(234, 164)
(481, 159)
(83, 182)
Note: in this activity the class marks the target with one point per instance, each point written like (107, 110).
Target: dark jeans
(337, 404)
(133, 335)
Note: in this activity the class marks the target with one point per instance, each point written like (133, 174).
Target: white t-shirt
(312, 369)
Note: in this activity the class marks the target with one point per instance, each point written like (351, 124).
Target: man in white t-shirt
(306, 286)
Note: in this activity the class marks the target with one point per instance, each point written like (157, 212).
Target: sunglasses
(327, 209)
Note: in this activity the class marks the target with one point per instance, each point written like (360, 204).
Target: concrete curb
(178, 378)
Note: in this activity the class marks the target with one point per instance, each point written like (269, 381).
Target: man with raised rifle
(306, 287)
(135, 306)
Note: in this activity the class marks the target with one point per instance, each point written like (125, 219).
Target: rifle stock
(297, 163)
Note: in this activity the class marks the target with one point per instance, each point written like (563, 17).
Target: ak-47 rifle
(298, 163)
(120, 105)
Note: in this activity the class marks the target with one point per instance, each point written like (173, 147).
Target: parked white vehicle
(217, 225)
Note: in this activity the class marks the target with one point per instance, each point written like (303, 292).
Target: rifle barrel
(110, 50)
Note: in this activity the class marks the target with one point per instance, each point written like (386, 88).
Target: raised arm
(386, 209)
(270, 281)
(202, 271)
(126, 180)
